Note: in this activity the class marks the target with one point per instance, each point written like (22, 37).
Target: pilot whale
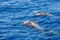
(41, 14)
(33, 24)
(44, 14)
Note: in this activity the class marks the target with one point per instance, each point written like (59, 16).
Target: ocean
(14, 12)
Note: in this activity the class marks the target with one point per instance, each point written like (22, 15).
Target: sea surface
(14, 12)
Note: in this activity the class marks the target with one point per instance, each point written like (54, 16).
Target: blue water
(14, 12)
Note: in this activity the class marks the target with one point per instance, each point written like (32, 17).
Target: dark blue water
(14, 12)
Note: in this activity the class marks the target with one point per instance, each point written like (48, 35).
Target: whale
(33, 24)
(41, 14)
(44, 14)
